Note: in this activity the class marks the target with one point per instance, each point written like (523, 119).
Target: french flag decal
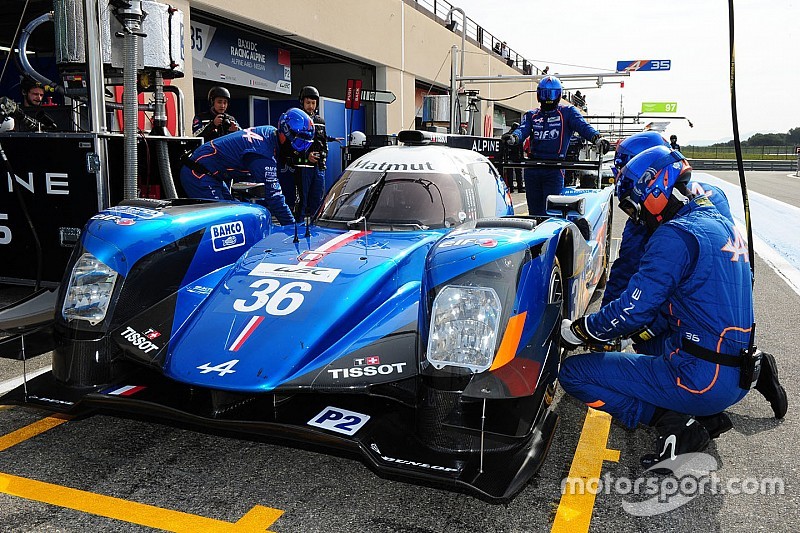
(127, 390)
(248, 330)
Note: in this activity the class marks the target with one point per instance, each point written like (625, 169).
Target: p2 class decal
(339, 420)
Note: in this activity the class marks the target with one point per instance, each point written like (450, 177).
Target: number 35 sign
(643, 64)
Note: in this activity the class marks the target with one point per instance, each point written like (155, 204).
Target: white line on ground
(13, 383)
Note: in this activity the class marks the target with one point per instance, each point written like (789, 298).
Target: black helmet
(27, 83)
(309, 91)
(673, 138)
(218, 92)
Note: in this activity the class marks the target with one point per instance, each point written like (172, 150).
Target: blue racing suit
(245, 155)
(696, 267)
(311, 178)
(634, 238)
(550, 133)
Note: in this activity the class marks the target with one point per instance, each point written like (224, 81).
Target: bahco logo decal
(691, 475)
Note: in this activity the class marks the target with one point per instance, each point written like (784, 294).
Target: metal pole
(97, 110)
(453, 90)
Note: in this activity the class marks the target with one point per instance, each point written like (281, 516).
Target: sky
(692, 34)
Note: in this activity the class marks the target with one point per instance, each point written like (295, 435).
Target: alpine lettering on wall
(227, 236)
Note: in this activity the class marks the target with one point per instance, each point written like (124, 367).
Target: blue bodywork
(220, 318)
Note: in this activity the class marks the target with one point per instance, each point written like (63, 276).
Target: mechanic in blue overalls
(631, 249)
(695, 265)
(311, 186)
(253, 154)
(550, 128)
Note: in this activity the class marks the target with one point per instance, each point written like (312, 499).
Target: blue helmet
(298, 128)
(549, 91)
(647, 185)
(634, 145)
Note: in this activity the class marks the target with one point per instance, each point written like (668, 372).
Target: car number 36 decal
(339, 420)
(274, 298)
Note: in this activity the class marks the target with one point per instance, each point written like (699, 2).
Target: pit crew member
(215, 122)
(631, 249)
(254, 154)
(311, 176)
(696, 263)
(550, 128)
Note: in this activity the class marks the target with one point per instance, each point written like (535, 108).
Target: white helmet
(357, 138)
(7, 124)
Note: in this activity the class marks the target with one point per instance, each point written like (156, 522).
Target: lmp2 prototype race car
(415, 321)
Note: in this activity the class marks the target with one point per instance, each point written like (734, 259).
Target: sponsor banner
(308, 273)
(221, 53)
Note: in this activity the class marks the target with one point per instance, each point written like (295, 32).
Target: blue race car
(415, 322)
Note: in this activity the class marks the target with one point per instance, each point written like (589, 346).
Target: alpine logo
(737, 247)
(227, 236)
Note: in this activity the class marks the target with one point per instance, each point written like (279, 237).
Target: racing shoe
(677, 434)
(716, 424)
(770, 387)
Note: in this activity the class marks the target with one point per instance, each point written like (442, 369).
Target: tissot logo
(227, 236)
(366, 371)
(139, 340)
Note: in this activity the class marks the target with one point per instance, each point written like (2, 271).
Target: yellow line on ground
(574, 512)
(259, 518)
(40, 426)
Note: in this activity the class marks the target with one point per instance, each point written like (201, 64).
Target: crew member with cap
(215, 122)
(258, 154)
(550, 128)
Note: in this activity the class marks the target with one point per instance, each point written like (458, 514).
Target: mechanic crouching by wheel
(696, 264)
(254, 155)
(632, 247)
(550, 128)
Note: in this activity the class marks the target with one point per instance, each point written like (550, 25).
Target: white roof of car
(426, 158)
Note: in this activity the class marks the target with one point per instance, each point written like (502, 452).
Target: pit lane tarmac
(105, 473)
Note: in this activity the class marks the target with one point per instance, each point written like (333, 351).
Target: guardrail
(749, 164)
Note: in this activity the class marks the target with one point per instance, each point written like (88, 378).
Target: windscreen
(399, 200)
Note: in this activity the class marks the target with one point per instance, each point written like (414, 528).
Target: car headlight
(89, 291)
(464, 324)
